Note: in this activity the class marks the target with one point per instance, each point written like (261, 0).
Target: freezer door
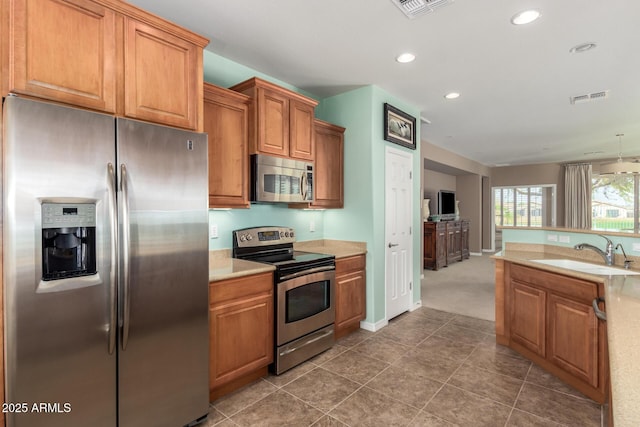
(163, 358)
(58, 367)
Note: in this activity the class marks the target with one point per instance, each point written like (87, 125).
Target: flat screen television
(447, 205)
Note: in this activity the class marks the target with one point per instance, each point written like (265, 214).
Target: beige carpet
(465, 287)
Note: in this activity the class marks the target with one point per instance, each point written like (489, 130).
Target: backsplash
(261, 215)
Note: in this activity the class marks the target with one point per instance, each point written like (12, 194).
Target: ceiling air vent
(413, 8)
(581, 99)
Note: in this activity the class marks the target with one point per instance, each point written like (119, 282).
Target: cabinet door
(454, 247)
(161, 77)
(528, 317)
(273, 122)
(241, 338)
(226, 116)
(441, 246)
(329, 166)
(573, 338)
(464, 239)
(301, 144)
(350, 298)
(64, 51)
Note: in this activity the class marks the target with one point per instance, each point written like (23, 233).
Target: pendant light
(620, 166)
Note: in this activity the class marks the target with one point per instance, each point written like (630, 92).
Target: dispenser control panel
(57, 215)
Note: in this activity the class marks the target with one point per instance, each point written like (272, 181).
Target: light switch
(565, 239)
(552, 237)
(213, 231)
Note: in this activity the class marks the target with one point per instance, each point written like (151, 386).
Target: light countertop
(338, 248)
(222, 266)
(622, 305)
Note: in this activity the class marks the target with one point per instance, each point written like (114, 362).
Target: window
(614, 203)
(524, 206)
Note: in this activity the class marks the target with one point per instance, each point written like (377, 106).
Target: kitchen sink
(585, 267)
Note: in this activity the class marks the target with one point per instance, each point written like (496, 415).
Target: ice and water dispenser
(68, 240)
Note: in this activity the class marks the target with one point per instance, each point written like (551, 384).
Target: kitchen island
(622, 333)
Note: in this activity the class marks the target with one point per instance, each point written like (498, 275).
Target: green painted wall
(541, 237)
(362, 219)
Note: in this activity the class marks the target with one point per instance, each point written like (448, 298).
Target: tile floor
(426, 368)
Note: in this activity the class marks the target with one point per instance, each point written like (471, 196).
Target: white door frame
(404, 237)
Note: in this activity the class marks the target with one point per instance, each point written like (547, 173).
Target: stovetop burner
(274, 245)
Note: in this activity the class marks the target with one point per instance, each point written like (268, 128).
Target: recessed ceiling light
(582, 47)
(452, 95)
(525, 17)
(406, 57)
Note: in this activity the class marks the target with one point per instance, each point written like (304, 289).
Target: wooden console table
(445, 242)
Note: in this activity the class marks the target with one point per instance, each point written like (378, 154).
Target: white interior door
(398, 239)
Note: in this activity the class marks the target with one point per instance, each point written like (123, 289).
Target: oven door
(281, 180)
(304, 304)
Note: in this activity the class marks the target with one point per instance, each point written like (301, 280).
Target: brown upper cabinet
(226, 121)
(329, 165)
(281, 122)
(117, 59)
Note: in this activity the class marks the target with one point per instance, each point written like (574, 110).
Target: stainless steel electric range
(304, 291)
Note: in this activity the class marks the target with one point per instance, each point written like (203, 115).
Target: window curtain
(577, 196)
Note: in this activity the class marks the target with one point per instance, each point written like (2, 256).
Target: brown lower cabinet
(241, 331)
(350, 294)
(549, 318)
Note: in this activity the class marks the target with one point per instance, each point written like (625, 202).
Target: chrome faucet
(627, 261)
(607, 255)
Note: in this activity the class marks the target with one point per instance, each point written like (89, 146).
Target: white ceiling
(515, 81)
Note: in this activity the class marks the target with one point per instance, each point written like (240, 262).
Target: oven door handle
(312, 340)
(309, 271)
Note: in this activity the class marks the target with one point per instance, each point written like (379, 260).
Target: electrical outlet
(565, 239)
(636, 247)
(213, 231)
(312, 225)
(552, 237)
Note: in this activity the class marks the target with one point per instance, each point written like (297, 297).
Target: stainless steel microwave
(276, 179)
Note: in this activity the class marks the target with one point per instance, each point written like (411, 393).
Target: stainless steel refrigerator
(105, 251)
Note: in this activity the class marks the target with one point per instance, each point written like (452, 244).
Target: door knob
(393, 244)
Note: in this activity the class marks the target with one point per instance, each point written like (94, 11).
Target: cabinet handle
(599, 313)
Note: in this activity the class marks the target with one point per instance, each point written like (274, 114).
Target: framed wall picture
(399, 127)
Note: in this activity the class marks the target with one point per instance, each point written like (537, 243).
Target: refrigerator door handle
(113, 220)
(126, 305)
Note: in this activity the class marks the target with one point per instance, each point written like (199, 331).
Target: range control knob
(249, 237)
(291, 234)
(243, 238)
(282, 234)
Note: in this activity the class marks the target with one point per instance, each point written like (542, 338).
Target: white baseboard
(475, 253)
(416, 305)
(374, 327)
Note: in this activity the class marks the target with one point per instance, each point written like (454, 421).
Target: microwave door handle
(303, 185)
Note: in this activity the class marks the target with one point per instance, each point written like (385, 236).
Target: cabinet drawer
(353, 263)
(578, 289)
(240, 287)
